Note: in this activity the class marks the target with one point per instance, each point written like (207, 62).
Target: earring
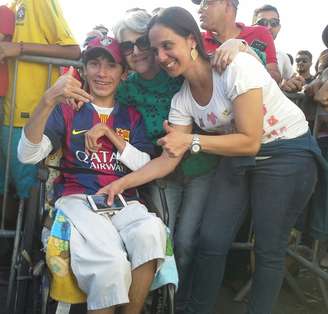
(194, 54)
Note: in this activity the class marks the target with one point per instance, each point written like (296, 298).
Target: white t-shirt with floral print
(282, 118)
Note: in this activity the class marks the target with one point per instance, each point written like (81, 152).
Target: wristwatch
(195, 146)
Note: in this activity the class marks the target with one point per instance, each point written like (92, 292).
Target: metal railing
(32, 59)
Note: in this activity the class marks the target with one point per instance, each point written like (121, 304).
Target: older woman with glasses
(268, 157)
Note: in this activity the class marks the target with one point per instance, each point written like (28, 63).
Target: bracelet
(21, 48)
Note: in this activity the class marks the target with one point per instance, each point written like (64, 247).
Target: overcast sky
(302, 21)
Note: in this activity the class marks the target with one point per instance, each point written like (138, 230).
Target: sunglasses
(274, 22)
(301, 60)
(127, 47)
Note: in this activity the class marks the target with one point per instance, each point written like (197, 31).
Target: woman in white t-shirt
(268, 157)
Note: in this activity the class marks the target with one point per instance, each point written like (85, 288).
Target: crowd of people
(205, 110)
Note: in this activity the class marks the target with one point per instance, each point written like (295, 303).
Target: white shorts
(105, 251)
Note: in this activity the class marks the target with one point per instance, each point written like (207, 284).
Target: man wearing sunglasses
(303, 64)
(268, 16)
(218, 18)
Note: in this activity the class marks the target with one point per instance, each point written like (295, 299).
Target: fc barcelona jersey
(66, 128)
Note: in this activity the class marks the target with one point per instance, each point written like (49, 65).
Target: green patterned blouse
(152, 98)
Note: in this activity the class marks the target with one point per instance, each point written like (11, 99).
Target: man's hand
(225, 54)
(175, 143)
(293, 85)
(312, 88)
(67, 89)
(93, 135)
(111, 190)
(9, 50)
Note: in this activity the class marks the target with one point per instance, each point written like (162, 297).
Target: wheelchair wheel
(163, 300)
(170, 299)
(22, 298)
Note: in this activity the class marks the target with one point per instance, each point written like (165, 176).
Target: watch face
(195, 148)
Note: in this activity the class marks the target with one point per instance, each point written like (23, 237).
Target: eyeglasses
(205, 3)
(274, 22)
(127, 47)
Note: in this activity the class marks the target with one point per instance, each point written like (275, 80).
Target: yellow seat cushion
(63, 286)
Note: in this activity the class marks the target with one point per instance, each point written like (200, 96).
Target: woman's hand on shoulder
(226, 53)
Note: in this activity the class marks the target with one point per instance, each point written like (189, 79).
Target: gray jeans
(186, 199)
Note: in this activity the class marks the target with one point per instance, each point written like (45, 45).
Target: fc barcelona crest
(106, 41)
(124, 133)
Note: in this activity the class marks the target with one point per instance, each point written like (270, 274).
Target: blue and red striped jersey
(66, 129)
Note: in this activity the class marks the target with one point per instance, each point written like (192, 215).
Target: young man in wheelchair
(114, 260)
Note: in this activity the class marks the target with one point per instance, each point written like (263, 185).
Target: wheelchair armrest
(164, 213)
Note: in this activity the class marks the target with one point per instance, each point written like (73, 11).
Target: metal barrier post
(49, 75)
(7, 169)
(321, 282)
(15, 255)
(161, 186)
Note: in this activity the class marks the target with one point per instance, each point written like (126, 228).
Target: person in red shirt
(218, 18)
(7, 27)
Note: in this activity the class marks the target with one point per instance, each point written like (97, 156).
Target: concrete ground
(287, 303)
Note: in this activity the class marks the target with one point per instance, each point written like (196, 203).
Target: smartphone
(98, 203)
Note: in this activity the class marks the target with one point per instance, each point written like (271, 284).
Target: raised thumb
(167, 127)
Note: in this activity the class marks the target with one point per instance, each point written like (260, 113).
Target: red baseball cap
(108, 44)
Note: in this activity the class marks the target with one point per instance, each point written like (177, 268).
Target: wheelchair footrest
(7, 233)
(63, 308)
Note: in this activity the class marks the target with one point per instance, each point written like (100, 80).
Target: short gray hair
(235, 3)
(135, 20)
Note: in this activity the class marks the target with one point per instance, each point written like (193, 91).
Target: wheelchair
(30, 280)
